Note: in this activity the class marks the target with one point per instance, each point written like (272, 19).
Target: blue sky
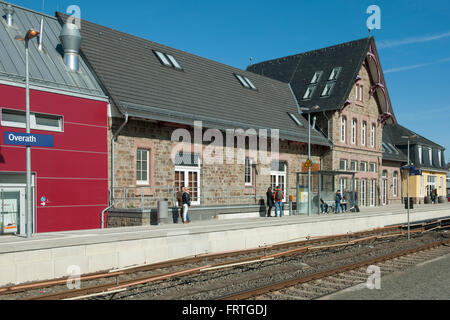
(413, 43)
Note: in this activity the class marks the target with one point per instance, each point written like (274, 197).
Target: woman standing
(270, 202)
(186, 204)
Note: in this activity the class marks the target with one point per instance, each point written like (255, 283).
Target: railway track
(100, 284)
(324, 283)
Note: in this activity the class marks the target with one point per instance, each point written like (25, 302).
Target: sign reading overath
(32, 140)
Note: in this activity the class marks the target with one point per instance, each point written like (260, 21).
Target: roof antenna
(251, 60)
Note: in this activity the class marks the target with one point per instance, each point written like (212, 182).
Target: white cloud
(415, 66)
(383, 44)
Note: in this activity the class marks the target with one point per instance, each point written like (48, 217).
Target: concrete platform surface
(48, 256)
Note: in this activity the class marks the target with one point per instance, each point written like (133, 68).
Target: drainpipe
(111, 196)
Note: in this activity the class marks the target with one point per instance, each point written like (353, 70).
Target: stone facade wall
(220, 184)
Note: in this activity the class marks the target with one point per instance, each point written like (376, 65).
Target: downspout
(111, 192)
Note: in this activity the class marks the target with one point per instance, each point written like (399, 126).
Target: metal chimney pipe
(41, 34)
(71, 41)
(9, 11)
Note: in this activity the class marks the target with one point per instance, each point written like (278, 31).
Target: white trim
(56, 91)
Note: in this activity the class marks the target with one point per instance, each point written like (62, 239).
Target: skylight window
(335, 74)
(168, 60)
(174, 62)
(246, 82)
(309, 92)
(316, 77)
(328, 89)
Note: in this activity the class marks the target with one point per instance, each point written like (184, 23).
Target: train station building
(138, 120)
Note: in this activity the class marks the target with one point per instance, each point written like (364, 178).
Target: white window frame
(309, 92)
(420, 150)
(343, 184)
(372, 193)
(363, 193)
(146, 181)
(316, 77)
(33, 122)
(343, 129)
(356, 165)
(248, 162)
(395, 184)
(430, 154)
(343, 161)
(372, 136)
(363, 133)
(365, 166)
(374, 166)
(354, 129)
(440, 158)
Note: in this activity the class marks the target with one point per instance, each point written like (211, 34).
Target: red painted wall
(73, 175)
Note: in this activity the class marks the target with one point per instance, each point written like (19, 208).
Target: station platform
(48, 256)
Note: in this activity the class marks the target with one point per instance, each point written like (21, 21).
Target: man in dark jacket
(270, 202)
(338, 201)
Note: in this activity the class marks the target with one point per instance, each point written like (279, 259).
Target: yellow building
(429, 160)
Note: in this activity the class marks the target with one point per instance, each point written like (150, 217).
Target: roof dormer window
(246, 82)
(328, 89)
(335, 74)
(309, 92)
(168, 60)
(316, 77)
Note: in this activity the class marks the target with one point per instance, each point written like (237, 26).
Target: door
(12, 211)
(190, 178)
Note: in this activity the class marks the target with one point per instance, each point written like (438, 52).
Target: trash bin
(411, 203)
(163, 211)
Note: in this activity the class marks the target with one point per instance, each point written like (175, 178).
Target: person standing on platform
(270, 202)
(338, 201)
(186, 205)
(278, 197)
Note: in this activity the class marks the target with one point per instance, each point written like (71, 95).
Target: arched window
(343, 128)
(353, 133)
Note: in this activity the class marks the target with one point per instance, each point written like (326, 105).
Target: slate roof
(299, 70)
(392, 135)
(204, 90)
(47, 68)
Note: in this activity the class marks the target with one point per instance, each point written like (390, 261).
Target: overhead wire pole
(309, 154)
(29, 196)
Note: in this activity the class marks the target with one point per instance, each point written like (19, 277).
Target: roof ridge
(29, 10)
(236, 69)
(312, 51)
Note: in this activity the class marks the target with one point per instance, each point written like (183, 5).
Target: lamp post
(29, 198)
(309, 111)
(407, 184)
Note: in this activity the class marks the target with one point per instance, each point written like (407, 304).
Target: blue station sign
(32, 140)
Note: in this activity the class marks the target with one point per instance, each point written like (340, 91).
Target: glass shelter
(324, 186)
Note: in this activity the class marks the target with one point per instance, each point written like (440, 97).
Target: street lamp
(29, 207)
(409, 171)
(309, 111)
